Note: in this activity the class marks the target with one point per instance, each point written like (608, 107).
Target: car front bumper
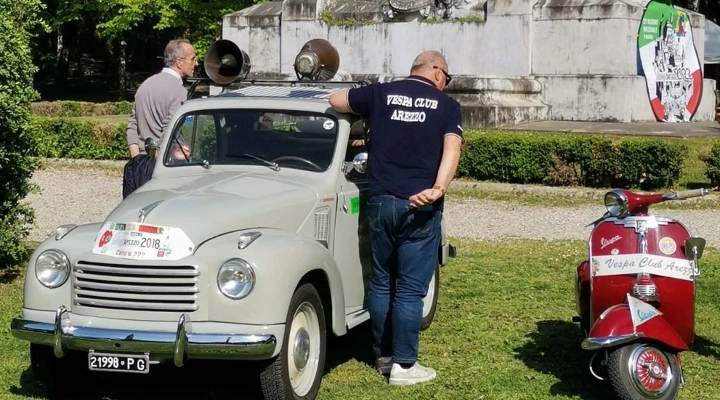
(180, 345)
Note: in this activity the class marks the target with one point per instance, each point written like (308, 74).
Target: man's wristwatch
(440, 189)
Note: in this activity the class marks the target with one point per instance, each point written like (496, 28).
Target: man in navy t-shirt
(413, 153)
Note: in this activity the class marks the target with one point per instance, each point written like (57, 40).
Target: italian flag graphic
(670, 62)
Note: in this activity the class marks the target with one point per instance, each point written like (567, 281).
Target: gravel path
(79, 195)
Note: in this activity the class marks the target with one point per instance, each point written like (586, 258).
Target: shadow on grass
(697, 185)
(704, 347)
(198, 379)
(554, 349)
(9, 275)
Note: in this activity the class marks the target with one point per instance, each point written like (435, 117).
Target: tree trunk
(62, 70)
(121, 69)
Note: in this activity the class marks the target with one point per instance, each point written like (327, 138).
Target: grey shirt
(156, 101)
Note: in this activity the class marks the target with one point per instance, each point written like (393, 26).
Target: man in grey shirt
(160, 96)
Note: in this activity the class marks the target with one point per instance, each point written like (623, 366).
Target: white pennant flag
(641, 311)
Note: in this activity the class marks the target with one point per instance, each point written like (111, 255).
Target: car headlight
(236, 278)
(616, 203)
(52, 268)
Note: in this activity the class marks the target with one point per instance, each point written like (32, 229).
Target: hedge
(79, 108)
(78, 139)
(712, 162)
(513, 157)
(571, 160)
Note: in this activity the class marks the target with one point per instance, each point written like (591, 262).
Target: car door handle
(344, 201)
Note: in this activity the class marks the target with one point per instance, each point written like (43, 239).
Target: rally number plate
(133, 363)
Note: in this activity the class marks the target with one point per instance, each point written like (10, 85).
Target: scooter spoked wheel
(642, 371)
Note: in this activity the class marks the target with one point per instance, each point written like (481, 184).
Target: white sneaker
(384, 365)
(410, 376)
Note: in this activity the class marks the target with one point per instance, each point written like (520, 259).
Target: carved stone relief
(439, 9)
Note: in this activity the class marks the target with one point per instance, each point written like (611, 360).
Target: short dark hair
(174, 50)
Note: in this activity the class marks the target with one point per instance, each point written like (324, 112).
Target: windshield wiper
(203, 162)
(274, 166)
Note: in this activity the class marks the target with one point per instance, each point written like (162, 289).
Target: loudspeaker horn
(225, 62)
(317, 60)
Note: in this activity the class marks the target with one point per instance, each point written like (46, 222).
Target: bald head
(427, 60)
(431, 65)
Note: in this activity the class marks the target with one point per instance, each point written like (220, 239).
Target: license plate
(133, 363)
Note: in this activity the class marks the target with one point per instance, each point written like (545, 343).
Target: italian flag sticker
(670, 62)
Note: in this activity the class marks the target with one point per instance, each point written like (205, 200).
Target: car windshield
(273, 138)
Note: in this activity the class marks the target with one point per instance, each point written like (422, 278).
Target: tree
(18, 18)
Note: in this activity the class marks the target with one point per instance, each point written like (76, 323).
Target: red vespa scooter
(636, 294)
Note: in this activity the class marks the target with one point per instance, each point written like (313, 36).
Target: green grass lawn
(502, 331)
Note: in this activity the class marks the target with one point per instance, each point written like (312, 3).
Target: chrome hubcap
(650, 370)
(301, 348)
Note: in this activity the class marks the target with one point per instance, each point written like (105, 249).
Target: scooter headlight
(616, 203)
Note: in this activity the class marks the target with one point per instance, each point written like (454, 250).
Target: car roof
(314, 94)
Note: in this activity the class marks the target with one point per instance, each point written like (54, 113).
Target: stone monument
(512, 61)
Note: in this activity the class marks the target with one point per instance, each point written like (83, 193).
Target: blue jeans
(404, 244)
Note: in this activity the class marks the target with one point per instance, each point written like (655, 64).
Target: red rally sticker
(105, 239)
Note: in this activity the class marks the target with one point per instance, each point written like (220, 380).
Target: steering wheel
(298, 159)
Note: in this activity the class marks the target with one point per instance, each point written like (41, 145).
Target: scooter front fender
(616, 327)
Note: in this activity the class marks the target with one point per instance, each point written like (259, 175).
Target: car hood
(208, 205)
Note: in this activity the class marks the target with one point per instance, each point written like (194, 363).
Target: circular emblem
(667, 245)
(328, 125)
(105, 239)
(614, 252)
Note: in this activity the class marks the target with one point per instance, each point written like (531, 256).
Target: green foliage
(199, 21)
(17, 17)
(71, 138)
(568, 160)
(80, 108)
(712, 162)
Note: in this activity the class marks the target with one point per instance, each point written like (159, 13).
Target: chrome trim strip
(181, 344)
(609, 341)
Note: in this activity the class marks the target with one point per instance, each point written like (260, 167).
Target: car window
(288, 139)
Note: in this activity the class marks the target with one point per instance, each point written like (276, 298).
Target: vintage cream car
(252, 245)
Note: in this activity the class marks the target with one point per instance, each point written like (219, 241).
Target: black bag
(137, 171)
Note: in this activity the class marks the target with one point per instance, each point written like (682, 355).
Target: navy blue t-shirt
(408, 122)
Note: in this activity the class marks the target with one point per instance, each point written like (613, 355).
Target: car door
(352, 240)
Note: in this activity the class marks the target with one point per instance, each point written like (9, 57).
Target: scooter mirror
(696, 244)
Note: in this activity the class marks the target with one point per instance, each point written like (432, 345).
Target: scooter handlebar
(686, 194)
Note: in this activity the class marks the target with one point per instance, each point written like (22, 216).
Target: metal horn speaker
(317, 60)
(225, 62)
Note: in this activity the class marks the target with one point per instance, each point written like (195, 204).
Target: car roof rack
(243, 83)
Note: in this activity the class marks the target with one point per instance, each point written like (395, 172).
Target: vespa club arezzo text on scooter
(635, 295)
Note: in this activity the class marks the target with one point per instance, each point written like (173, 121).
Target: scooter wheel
(641, 371)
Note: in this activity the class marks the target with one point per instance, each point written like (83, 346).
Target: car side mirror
(360, 162)
(694, 247)
(151, 146)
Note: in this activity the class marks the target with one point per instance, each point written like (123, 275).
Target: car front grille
(136, 287)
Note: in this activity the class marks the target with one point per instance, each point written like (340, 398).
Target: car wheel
(55, 374)
(430, 300)
(296, 373)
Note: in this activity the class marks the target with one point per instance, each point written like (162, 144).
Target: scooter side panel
(582, 288)
(616, 252)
